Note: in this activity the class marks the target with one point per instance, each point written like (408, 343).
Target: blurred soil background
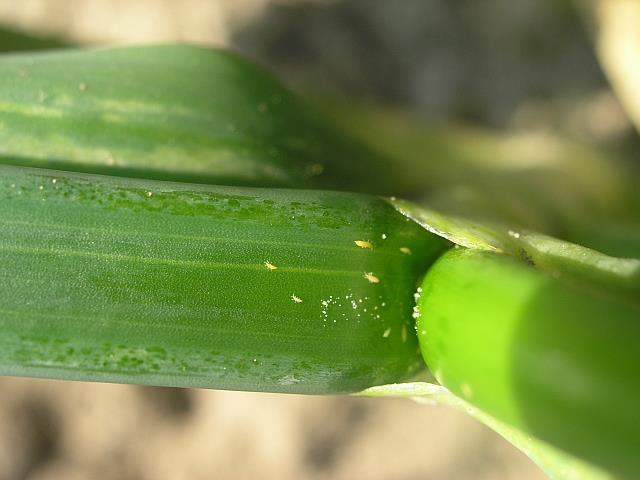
(503, 64)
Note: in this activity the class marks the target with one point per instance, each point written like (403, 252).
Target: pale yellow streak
(618, 46)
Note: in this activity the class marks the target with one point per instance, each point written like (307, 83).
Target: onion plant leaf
(150, 282)
(173, 112)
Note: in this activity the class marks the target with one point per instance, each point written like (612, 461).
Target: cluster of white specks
(347, 307)
(270, 266)
(325, 305)
(416, 308)
(295, 298)
(325, 308)
(514, 234)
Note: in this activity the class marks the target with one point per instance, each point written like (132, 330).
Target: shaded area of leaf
(12, 40)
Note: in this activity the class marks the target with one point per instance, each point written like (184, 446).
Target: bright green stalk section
(550, 355)
(161, 283)
(173, 112)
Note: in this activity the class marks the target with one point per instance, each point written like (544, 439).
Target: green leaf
(173, 112)
(149, 282)
(543, 341)
(554, 256)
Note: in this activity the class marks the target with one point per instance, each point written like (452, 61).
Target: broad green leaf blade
(554, 358)
(558, 465)
(149, 282)
(173, 112)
